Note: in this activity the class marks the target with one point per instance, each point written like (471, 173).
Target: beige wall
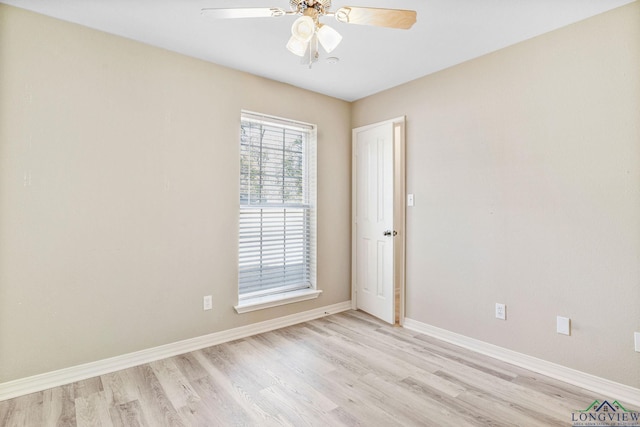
(119, 171)
(525, 166)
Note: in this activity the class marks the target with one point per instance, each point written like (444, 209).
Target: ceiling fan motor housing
(300, 5)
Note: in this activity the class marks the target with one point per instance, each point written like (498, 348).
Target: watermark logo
(605, 414)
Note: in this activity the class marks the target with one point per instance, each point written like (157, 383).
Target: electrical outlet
(207, 302)
(563, 325)
(636, 339)
(501, 311)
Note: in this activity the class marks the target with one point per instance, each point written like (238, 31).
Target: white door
(373, 208)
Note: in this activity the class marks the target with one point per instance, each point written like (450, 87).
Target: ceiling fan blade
(390, 18)
(243, 12)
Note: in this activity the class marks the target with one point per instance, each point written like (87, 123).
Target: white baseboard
(604, 388)
(20, 387)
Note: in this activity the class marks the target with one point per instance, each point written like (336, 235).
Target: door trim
(399, 206)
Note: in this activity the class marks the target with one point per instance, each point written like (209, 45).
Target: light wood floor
(346, 369)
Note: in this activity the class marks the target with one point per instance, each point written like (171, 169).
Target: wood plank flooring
(347, 369)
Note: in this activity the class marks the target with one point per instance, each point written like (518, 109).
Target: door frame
(399, 213)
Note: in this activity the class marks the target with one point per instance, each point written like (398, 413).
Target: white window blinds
(277, 194)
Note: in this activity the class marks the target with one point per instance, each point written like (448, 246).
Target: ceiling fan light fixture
(297, 46)
(303, 28)
(328, 38)
(307, 33)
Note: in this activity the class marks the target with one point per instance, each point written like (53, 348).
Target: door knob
(389, 232)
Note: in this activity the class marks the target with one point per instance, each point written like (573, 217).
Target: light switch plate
(409, 199)
(636, 339)
(563, 325)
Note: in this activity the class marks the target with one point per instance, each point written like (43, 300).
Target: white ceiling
(372, 59)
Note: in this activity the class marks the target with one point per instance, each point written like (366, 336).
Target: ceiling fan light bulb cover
(297, 46)
(329, 38)
(303, 28)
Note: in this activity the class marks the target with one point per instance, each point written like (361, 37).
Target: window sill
(260, 303)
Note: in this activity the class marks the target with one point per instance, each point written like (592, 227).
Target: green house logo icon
(605, 406)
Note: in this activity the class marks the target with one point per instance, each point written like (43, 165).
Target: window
(276, 257)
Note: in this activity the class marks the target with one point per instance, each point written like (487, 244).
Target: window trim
(287, 294)
(274, 300)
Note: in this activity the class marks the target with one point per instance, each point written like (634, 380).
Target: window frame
(287, 292)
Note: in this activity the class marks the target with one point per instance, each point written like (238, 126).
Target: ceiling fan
(307, 31)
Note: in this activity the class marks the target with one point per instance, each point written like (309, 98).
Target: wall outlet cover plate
(207, 302)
